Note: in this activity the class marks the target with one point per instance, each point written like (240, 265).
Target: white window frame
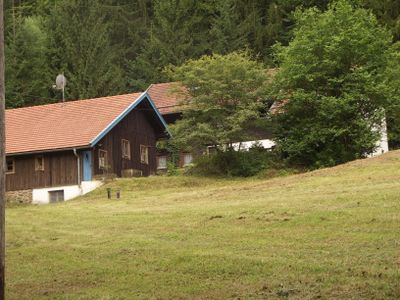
(103, 159)
(165, 158)
(13, 165)
(144, 154)
(39, 166)
(184, 163)
(126, 149)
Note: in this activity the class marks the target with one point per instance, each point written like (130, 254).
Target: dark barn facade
(67, 147)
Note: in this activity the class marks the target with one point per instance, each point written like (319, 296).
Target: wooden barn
(56, 152)
(171, 99)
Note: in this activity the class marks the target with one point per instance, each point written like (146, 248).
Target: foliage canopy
(131, 41)
(225, 93)
(332, 82)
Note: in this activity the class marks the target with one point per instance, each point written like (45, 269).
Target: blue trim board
(118, 119)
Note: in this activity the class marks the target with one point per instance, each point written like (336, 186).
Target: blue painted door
(87, 166)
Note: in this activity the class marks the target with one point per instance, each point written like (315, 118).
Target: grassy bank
(332, 233)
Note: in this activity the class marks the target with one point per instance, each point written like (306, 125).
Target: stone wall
(19, 197)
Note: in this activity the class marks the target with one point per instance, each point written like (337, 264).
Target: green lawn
(329, 234)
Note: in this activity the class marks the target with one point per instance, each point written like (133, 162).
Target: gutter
(78, 161)
(46, 151)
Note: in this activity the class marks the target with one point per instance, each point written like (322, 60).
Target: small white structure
(63, 193)
(245, 146)
(382, 146)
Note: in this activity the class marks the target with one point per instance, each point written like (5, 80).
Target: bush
(233, 163)
(172, 169)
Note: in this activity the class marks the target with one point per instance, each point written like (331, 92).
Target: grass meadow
(329, 234)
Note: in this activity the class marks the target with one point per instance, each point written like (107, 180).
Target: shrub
(172, 169)
(233, 163)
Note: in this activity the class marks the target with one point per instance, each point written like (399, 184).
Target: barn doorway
(87, 166)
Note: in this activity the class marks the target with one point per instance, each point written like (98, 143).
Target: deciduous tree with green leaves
(225, 96)
(332, 82)
(393, 106)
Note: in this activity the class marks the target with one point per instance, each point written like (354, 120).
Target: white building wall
(42, 196)
(245, 146)
(382, 146)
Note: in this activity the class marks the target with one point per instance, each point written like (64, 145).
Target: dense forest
(114, 46)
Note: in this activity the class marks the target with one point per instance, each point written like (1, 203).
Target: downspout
(78, 161)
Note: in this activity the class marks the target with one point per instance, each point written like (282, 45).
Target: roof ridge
(169, 82)
(72, 101)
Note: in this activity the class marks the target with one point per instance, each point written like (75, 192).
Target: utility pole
(2, 156)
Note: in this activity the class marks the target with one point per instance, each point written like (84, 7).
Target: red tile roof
(62, 125)
(168, 97)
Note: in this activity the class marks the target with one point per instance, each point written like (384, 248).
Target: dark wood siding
(60, 168)
(171, 118)
(137, 128)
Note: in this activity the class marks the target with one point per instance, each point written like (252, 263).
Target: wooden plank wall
(138, 129)
(60, 169)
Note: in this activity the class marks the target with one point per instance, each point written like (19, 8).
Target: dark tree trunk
(2, 154)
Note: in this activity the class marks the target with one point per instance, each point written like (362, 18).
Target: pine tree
(81, 49)
(27, 69)
(130, 21)
(387, 12)
(224, 36)
(179, 31)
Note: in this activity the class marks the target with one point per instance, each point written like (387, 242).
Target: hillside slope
(332, 233)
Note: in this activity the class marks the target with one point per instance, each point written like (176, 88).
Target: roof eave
(48, 150)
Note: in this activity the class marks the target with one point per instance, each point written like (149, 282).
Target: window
(161, 162)
(102, 159)
(10, 166)
(39, 163)
(56, 196)
(144, 154)
(211, 150)
(187, 159)
(126, 149)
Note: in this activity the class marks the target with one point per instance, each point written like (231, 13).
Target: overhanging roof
(73, 124)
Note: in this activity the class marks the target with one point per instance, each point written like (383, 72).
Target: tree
(225, 94)
(331, 80)
(387, 12)
(179, 31)
(28, 73)
(130, 20)
(256, 26)
(393, 107)
(2, 157)
(81, 48)
(224, 34)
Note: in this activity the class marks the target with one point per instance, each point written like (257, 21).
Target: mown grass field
(329, 234)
